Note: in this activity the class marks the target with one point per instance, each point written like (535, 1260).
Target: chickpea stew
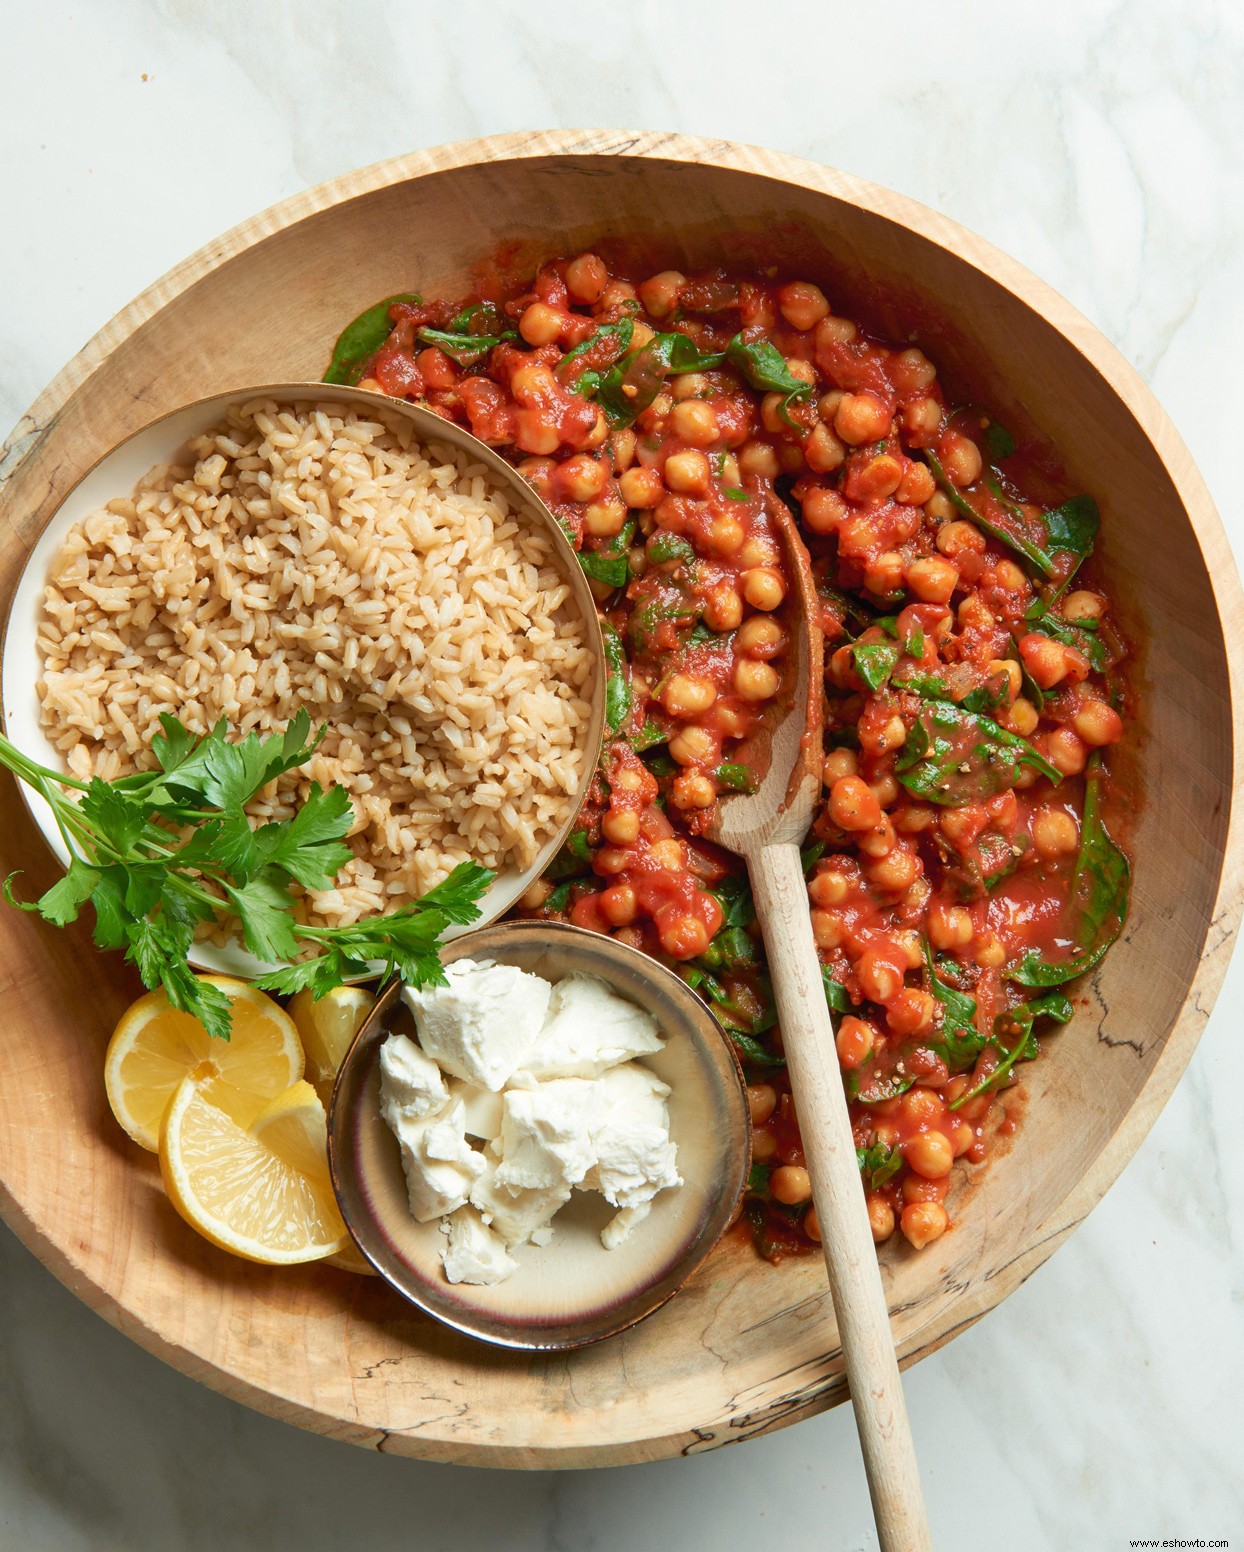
(959, 871)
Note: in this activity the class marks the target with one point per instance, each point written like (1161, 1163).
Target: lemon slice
(155, 1045)
(328, 1028)
(264, 1192)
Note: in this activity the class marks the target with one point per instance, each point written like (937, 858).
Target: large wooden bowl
(745, 1347)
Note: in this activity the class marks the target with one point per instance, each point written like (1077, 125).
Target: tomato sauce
(959, 873)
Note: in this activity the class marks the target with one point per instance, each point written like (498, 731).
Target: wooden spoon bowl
(746, 1347)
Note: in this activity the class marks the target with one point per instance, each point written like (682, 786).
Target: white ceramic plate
(117, 474)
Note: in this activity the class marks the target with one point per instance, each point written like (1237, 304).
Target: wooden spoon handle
(846, 1238)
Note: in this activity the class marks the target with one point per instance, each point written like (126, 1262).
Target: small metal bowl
(572, 1291)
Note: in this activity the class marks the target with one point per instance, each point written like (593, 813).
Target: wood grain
(747, 1347)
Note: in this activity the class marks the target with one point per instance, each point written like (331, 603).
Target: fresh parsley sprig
(159, 853)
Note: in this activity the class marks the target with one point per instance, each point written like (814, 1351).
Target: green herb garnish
(359, 341)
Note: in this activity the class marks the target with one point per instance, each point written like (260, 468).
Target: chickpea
(879, 979)
(916, 485)
(930, 1154)
(917, 1189)
(1023, 716)
(812, 1225)
(1098, 724)
(618, 292)
(1082, 605)
(694, 421)
(828, 928)
(586, 278)
(908, 945)
(693, 790)
(885, 789)
(693, 746)
(641, 487)
(827, 405)
(686, 695)
(891, 735)
(885, 574)
(823, 451)
(1066, 751)
(660, 293)
(839, 763)
(759, 460)
(534, 896)
(880, 1217)
(725, 534)
(667, 854)
(761, 1102)
(920, 1107)
(682, 935)
(539, 472)
(1009, 667)
(642, 335)
(828, 888)
(939, 508)
(861, 417)
(1054, 832)
(756, 681)
(604, 519)
(690, 385)
(582, 478)
(611, 859)
(958, 537)
(541, 324)
(1008, 576)
(912, 369)
(759, 550)
(621, 826)
(961, 1138)
(923, 1222)
(802, 304)
(923, 418)
(881, 840)
(932, 580)
(533, 433)
(764, 1146)
(771, 414)
(990, 951)
(915, 819)
(687, 472)
(853, 1042)
(895, 872)
(950, 926)
(835, 331)
(761, 637)
(1045, 660)
(630, 780)
(763, 587)
(852, 806)
(961, 826)
(911, 1012)
(618, 905)
(790, 1185)
(723, 608)
(370, 385)
(960, 458)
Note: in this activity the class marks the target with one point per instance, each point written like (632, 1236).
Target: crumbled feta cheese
(631, 1137)
(546, 1138)
(588, 1030)
(483, 1110)
(483, 1023)
(620, 1225)
(516, 1215)
(410, 1082)
(440, 1164)
(475, 1254)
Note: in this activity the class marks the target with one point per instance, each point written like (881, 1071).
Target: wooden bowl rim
(1224, 582)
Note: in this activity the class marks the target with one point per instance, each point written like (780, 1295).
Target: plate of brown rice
(312, 546)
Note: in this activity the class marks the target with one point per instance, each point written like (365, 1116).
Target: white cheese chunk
(635, 1157)
(483, 1023)
(519, 1215)
(546, 1136)
(483, 1110)
(588, 1030)
(475, 1254)
(620, 1225)
(440, 1164)
(410, 1082)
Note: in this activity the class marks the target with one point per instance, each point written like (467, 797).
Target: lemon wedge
(263, 1191)
(155, 1045)
(328, 1028)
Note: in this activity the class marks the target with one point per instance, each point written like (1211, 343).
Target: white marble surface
(1102, 144)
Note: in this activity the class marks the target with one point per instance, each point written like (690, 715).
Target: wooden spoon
(766, 828)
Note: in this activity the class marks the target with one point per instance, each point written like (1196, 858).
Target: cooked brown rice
(321, 558)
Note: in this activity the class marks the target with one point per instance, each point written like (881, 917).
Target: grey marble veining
(1102, 143)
